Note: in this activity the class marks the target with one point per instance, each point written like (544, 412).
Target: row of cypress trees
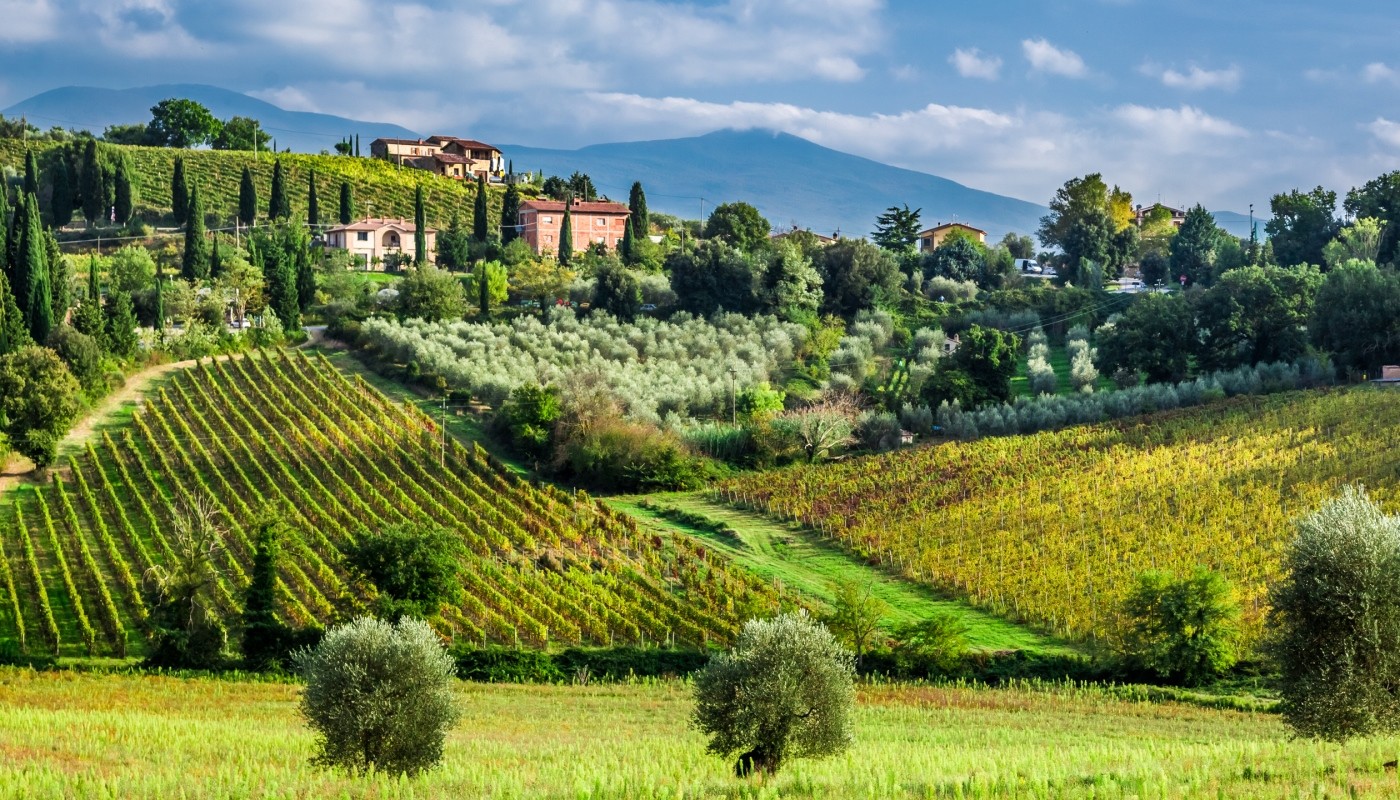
(30, 296)
(279, 204)
(100, 187)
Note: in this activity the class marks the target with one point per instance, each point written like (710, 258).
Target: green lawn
(802, 561)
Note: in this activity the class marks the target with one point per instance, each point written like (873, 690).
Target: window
(548, 239)
(600, 222)
(362, 236)
(548, 219)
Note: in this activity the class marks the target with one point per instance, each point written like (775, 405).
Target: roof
(397, 141)
(451, 158)
(947, 225)
(378, 224)
(470, 144)
(580, 207)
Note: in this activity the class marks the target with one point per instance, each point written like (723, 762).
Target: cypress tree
(510, 214)
(179, 192)
(262, 633)
(13, 333)
(61, 199)
(347, 203)
(357, 145)
(38, 300)
(31, 173)
(123, 200)
(158, 318)
(88, 318)
(216, 259)
(481, 215)
(120, 316)
(109, 193)
(93, 208)
(247, 198)
(313, 208)
(278, 206)
(628, 239)
(420, 228)
(306, 278)
(637, 204)
(566, 236)
(195, 266)
(58, 277)
(6, 223)
(19, 225)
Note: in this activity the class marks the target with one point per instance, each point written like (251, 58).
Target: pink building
(541, 220)
(371, 240)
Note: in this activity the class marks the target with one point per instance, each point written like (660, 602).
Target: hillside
(1054, 528)
(379, 187)
(93, 109)
(541, 567)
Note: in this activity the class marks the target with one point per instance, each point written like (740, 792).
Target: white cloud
(1176, 130)
(1385, 131)
(1046, 57)
(27, 20)
(1378, 72)
(972, 64)
(1196, 78)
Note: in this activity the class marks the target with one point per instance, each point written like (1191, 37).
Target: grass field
(799, 559)
(70, 735)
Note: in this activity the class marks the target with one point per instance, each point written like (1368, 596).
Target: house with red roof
(449, 156)
(599, 221)
(373, 240)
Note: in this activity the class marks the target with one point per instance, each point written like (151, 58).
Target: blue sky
(1223, 103)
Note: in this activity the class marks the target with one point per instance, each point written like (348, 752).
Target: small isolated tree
(247, 198)
(856, 615)
(431, 294)
(414, 568)
(39, 399)
(785, 691)
(1335, 619)
(347, 203)
(488, 285)
(187, 631)
(930, 646)
(530, 414)
(1183, 629)
(379, 696)
(820, 429)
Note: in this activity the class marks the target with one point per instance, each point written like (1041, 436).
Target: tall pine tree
(37, 299)
(195, 265)
(61, 198)
(124, 201)
(510, 214)
(313, 208)
(247, 198)
(637, 204)
(481, 215)
(420, 229)
(216, 259)
(88, 318)
(59, 278)
(94, 208)
(13, 333)
(179, 192)
(566, 235)
(31, 173)
(347, 204)
(278, 205)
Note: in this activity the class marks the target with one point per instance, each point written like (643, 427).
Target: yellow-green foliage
(380, 187)
(77, 735)
(1053, 528)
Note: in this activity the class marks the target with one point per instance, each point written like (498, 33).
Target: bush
(1336, 622)
(39, 399)
(530, 414)
(617, 455)
(414, 568)
(786, 690)
(83, 355)
(379, 696)
(936, 646)
(1184, 630)
(187, 632)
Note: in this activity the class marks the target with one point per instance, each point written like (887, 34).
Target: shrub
(530, 414)
(39, 399)
(83, 355)
(414, 568)
(1041, 376)
(786, 690)
(934, 646)
(1184, 630)
(185, 624)
(1336, 622)
(379, 696)
(617, 455)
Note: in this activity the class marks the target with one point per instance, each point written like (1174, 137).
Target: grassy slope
(800, 560)
(73, 735)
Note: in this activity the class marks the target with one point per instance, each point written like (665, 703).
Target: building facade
(933, 237)
(448, 156)
(373, 241)
(542, 220)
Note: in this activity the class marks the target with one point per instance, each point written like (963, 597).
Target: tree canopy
(738, 225)
(182, 123)
(897, 229)
(1303, 224)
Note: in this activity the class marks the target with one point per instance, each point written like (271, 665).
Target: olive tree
(786, 690)
(1335, 619)
(379, 696)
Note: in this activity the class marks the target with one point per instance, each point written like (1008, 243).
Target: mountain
(86, 107)
(789, 179)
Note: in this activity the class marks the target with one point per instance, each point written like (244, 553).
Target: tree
(379, 695)
(855, 276)
(530, 414)
(119, 325)
(414, 568)
(930, 646)
(989, 358)
(59, 277)
(134, 133)
(566, 236)
(420, 228)
(431, 294)
(1084, 215)
(510, 214)
(267, 642)
(124, 197)
(131, 269)
(241, 133)
(247, 198)
(179, 192)
(187, 632)
(195, 264)
(13, 332)
(958, 258)
(1019, 246)
(31, 173)
(481, 215)
(1193, 247)
(543, 280)
(790, 287)
(61, 196)
(1155, 336)
(1335, 622)
(1256, 314)
(313, 207)
(555, 187)
(39, 400)
(279, 206)
(454, 246)
(1361, 240)
(856, 614)
(738, 225)
(581, 186)
(281, 250)
(305, 278)
(1302, 225)
(785, 691)
(36, 293)
(216, 258)
(83, 355)
(1356, 317)
(181, 123)
(1379, 199)
(94, 207)
(639, 217)
(347, 203)
(158, 314)
(1183, 629)
(487, 285)
(617, 291)
(713, 277)
(897, 229)
(819, 429)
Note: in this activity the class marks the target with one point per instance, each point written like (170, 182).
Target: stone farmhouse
(933, 237)
(449, 156)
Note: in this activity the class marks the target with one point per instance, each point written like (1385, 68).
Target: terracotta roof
(398, 141)
(451, 158)
(950, 225)
(580, 207)
(377, 224)
(470, 144)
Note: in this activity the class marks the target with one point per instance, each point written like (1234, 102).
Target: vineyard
(1053, 528)
(541, 567)
(380, 188)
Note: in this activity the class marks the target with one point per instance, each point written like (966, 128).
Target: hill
(93, 109)
(1054, 528)
(789, 179)
(540, 568)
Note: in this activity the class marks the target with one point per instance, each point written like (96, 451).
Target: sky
(1209, 101)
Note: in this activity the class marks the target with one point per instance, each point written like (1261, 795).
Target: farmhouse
(372, 241)
(541, 221)
(933, 237)
(449, 156)
(1141, 212)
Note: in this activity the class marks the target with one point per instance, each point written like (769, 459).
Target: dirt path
(21, 470)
